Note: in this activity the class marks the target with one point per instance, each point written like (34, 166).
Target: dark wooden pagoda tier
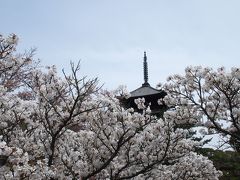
(151, 97)
(150, 94)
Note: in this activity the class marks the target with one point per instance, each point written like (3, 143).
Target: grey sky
(110, 36)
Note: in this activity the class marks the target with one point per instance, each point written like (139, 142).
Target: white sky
(110, 36)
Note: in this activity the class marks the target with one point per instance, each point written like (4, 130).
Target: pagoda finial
(145, 70)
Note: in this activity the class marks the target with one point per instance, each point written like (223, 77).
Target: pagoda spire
(145, 70)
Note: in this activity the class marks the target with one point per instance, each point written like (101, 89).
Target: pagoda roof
(145, 91)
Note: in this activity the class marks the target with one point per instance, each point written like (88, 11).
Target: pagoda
(150, 94)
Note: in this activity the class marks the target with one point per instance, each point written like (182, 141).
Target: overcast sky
(110, 36)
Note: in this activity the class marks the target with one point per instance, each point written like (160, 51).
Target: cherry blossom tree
(208, 98)
(15, 71)
(72, 129)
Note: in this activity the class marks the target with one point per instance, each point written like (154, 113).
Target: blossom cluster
(208, 98)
